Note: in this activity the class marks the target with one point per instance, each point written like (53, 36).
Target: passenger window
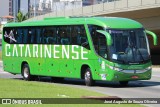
(25, 36)
(38, 35)
(65, 35)
(99, 40)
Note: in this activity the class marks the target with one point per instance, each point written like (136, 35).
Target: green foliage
(21, 17)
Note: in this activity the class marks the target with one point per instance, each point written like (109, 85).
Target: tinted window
(10, 35)
(99, 40)
(65, 35)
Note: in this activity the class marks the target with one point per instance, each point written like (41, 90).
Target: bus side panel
(66, 68)
(11, 63)
(59, 67)
(32, 56)
(37, 65)
(52, 67)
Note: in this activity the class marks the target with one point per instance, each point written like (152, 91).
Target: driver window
(99, 40)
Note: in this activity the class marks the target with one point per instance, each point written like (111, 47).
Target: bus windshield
(129, 46)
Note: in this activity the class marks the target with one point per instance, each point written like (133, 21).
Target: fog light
(115, 76)
(115, 68)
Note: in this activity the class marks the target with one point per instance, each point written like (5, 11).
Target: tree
(21, 17)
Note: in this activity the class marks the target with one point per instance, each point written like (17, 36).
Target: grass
(24, 89)
(10, 88)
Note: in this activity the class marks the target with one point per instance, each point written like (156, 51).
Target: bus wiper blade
(141, 55)
(121, 61)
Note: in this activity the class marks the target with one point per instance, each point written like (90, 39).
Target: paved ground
(136, 89)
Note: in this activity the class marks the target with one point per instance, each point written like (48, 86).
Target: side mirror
(107, 35)
(153, 35)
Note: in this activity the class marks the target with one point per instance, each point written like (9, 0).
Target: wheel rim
(87, 76)
(26, 72)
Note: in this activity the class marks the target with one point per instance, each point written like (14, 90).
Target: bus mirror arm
(107, 35)
(153, 35)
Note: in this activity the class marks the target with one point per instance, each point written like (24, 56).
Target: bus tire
(123, 83)
(88, 78)
(26, 73)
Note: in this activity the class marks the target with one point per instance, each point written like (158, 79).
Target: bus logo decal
(10, 36)
(47, 51)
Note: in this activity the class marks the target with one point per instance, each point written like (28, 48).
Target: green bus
(89, 48)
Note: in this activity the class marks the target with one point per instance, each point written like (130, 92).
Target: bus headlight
(149, 68)
(118, 69)
(115, 68)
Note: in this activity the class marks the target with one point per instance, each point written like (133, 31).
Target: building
(60, 5)
(40, 7)
(11, 7)
(15, 7)
(93, 2)
(5, 8)
(24, 6)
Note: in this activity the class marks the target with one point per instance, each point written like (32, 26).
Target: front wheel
(123, 83)
(88, 77)
(26, 73)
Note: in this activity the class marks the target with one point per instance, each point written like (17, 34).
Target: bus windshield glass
(129, 46)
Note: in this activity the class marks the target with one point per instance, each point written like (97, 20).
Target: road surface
(135, 89)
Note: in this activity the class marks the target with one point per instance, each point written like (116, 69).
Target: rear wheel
(123, 83)
(88, 78)
(26, 73)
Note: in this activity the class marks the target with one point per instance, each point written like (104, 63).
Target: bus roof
(107, 22)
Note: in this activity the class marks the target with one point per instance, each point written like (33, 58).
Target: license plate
(134, 77)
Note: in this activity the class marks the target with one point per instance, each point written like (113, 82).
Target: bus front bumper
(126, 75)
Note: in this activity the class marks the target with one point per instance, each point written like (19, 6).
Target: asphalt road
(135, 89)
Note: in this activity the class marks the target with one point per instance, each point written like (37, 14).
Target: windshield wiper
(140, 55)
(122, 61)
